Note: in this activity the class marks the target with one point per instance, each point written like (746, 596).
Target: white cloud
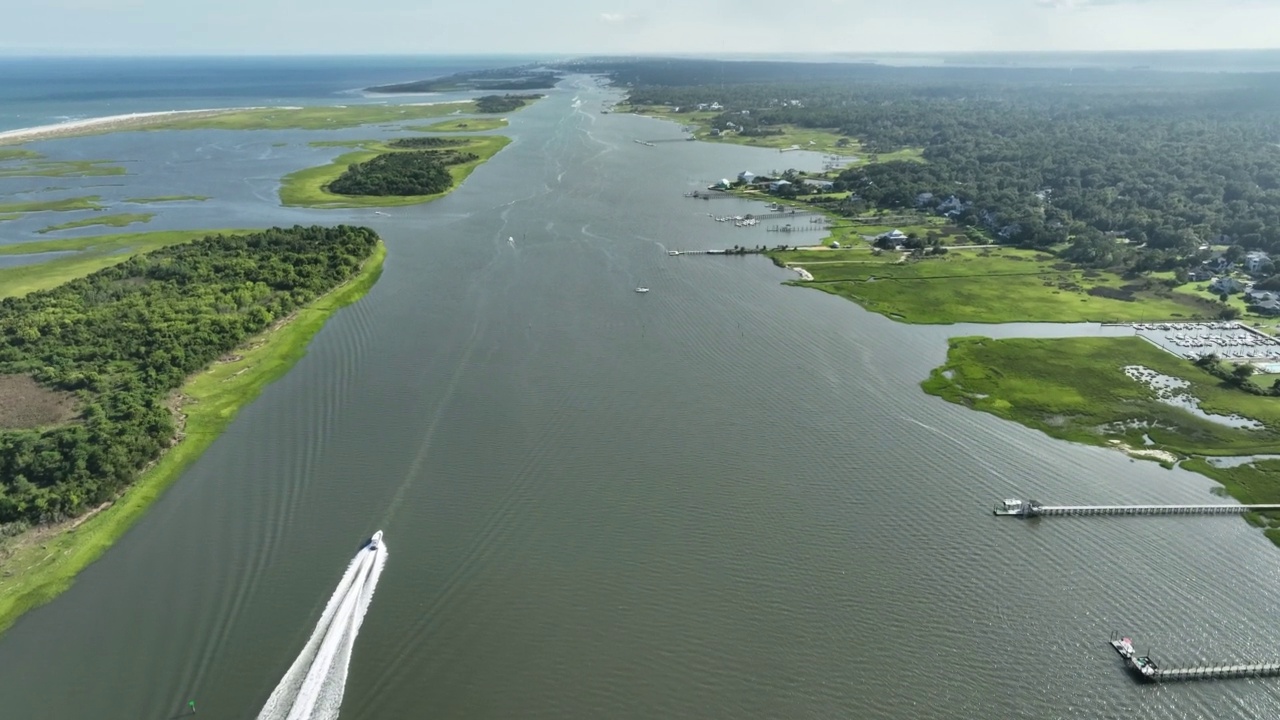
(617, 18)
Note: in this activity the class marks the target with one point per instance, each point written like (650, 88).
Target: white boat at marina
(642, 289)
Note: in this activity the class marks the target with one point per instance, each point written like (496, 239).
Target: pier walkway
(1146, 669)
(1209, 672)
(1031, 508)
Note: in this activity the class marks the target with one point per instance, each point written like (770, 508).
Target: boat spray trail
(313, 686)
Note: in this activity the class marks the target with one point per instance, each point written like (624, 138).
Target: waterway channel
(726, 498)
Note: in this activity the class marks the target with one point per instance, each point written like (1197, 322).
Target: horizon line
(47, 54)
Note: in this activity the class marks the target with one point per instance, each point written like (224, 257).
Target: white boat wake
(312, 688)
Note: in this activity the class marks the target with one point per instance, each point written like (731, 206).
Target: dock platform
(1031, 508)
(1147, 670)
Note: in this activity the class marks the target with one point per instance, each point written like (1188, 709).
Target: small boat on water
(673, 252)
(1124, 646)
(1141, 665)
(642, 289)
(375, 540)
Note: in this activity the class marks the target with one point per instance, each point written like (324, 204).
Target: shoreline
(141, 120)
(44, 561)
(106, 123)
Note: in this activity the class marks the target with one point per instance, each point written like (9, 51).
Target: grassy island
(167, 199)
(1077, 389)
(21, 162)
(462, 125)
(312, 187)
(120, 220)
(331, 117)
(105, 413)
(65, 205)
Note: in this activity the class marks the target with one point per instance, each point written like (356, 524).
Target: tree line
(503, 103)
(1042, 157)
(123, 338)
(412, 172)
(418, 143)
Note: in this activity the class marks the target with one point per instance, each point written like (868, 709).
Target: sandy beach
(134, 121)
(110, 123)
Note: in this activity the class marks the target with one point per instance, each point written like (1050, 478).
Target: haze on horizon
(339, 27)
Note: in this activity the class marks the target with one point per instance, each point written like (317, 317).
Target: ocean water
(40, 91)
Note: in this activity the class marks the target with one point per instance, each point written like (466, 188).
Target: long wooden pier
(1031, 508)
(1147, 670)
(1209, 672)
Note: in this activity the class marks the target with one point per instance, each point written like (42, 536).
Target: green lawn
(49, 565)
(985, 286)
(307, 188)
(120, 220)
(462, 125)
(313, 118)
(93, 253)
(1076, 389)
(167, 198)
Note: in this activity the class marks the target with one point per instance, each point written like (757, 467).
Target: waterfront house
(1226, 284)
(894, 235)
(777, 185)
(747, 176)
(823, 185)
(1266, 307)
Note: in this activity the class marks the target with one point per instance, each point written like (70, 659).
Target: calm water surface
(727, 498)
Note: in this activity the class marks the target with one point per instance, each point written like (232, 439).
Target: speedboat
(375, 540)
(642, 289)
(1124, 646)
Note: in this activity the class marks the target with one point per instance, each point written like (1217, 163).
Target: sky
(573, 27)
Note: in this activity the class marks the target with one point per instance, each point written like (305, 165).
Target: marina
(1227, 340)
(1030, 508)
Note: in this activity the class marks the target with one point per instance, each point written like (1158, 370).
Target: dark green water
(724, 499)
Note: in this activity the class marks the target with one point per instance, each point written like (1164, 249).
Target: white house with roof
(894, 235)
(1255, 259)
(746, 176)
(777, 185)
(1226, 284)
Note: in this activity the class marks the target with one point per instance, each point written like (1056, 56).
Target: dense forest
(503, 103)
(120, 340)
(413, 172)
(1037, 156)
(419, 143)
